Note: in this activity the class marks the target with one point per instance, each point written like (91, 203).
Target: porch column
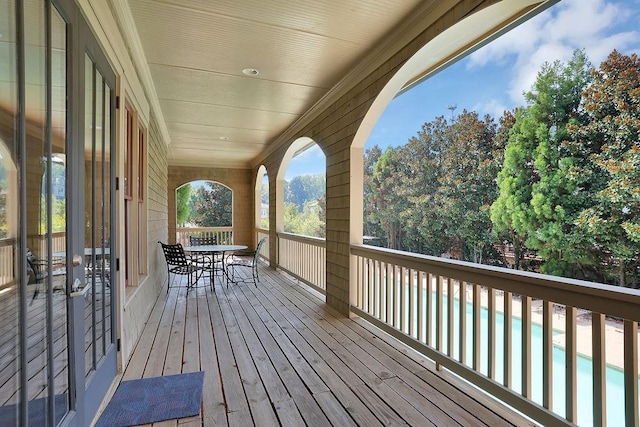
(339, 205)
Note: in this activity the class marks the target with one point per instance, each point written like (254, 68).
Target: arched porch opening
(262, 198)
(445, 49)
(301, 214)
(261, 203)
(285, 179)
(204, 208)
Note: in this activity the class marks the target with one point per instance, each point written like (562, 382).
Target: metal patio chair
(180, 265)
(210, 262)
(37, 271)
(245, 259)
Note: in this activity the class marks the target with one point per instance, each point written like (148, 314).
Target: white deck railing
(452, 311)
(223, 235)
(7, 263)
(303, 257)
(37, 244)
(260, 234)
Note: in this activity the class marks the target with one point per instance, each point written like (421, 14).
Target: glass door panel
(97, 212)
(57, 228)
(46, 342)
(10, 276)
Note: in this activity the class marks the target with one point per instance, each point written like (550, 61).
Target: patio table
(213, 250)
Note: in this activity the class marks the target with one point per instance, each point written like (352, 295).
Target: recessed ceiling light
(250, 72)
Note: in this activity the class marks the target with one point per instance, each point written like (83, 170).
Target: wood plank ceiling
(197, 50)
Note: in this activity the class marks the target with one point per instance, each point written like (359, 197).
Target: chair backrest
(174, 254)
(201, 241)
(33, 267)
(256, 255)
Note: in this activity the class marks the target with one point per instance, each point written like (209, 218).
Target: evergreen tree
(370, 226)
(534, 204)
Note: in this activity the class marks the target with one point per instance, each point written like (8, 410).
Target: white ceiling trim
(129, 32)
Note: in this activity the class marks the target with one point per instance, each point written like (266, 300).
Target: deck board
(276, 355)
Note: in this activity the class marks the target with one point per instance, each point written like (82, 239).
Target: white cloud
(309, 162)
(598, 26)
(313, 152)
(493, 107)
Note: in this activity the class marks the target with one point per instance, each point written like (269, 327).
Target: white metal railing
(223, 235)
(303, 257)
(501, 329)
(260, 234)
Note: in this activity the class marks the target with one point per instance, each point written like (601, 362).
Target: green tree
(422, 220)
(608, 144)
(183, 205)
(534, 205)
(370, 226)
(212, 206)
(307, 194)
(388, 198)
(469, 162)
(300, 189)
(309, 222)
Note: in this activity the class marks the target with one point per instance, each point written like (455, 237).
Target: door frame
(90, 389)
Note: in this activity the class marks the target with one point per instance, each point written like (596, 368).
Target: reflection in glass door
(45, 181)
(97, 192)
(34, 333)
(57, 352)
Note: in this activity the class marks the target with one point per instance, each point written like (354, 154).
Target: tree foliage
(556, 181)
(211, 205)
(433, 194)
(534, 205)
(609, 144)
(183, 199)
(304, 207)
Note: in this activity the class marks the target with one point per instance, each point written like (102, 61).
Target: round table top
(87, 252)
(215, 248)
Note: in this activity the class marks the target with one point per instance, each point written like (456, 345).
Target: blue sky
(494, 77)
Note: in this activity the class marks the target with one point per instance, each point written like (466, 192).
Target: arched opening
(301, 188)
(204, 209)
(262, 199)
(442, 51)
(483, 187)
(8, 194)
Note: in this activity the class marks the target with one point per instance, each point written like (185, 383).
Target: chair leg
(256, 278)
(36, 292)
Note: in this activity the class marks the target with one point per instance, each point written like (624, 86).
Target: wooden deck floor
(276, 355)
